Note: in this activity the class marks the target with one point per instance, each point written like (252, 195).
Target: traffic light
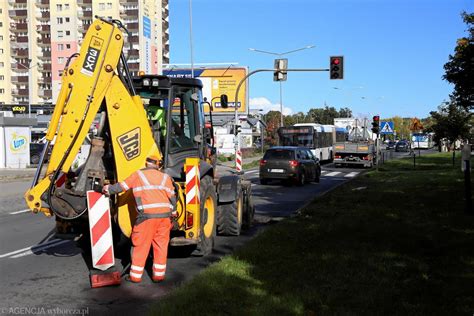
(376, 124)
(237, 129)
(281, 65)
(336, 67)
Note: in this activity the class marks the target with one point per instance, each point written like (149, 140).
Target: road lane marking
(34, 247)
(252, 171)
(18, 212)
(37, 249)
(351, 174)
(324, 171)
(332, 174)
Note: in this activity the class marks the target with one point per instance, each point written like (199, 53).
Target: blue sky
(394, 50)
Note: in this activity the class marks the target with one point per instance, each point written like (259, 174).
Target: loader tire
(229, 222)
(208, 210)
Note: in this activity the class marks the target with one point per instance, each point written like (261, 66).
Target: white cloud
(266, 105)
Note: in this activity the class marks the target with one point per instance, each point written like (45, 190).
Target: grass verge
(395, 241)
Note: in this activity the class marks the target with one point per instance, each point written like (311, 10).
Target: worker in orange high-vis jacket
(155, 197)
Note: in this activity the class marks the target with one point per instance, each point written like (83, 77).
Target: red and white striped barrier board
(238, 160)
(192, 182)
(61, 181)
(100, 230)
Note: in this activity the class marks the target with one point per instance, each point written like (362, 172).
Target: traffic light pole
(236, 99)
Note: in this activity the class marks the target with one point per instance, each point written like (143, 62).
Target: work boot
(132, 280)
(158, 279)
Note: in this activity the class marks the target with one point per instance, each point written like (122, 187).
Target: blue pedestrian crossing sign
(386, 127)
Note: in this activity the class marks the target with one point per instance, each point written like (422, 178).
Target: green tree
(272, 119)
(345, 112)
(460, 67)
(450, 121)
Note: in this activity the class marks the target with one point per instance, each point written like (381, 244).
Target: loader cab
(175, 112)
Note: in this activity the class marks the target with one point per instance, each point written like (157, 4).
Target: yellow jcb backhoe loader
(134, 117)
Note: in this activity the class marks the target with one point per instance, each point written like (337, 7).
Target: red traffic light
(376, 118)
(336, 61)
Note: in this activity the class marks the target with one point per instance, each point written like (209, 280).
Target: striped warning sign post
(238, 160)
(192, 181)
(100, 230)
(192, 214)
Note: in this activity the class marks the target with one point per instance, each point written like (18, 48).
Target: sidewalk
(17, 174)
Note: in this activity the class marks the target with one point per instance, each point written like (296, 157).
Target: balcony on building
(43, 41)
(165, 37)
(84, 14)
(44, 28)
(84, 3)
(133, 53)
(45, 93)
(129, 2)
(20, 79)
(20, 27)
(18, 14)
(124, 13)
(132, 39)
(43, 16)
(134, 67)
(19, 67)
(19, 52)
(44, 80)
(20, 92)
(44, 67)
(132, 27)
(42, 3)
(45, 55)
(165, 25)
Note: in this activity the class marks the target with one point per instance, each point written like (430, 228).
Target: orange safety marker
(102, 248)
(238, 160)
(192, 214)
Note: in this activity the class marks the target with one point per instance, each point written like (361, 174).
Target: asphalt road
(41, 272)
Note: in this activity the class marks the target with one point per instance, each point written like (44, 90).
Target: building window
(1, 24)
(60, 20)
(1, 37)
(101, 6)
(60, 33)
(68, 32)
(109, 5)
(60, 46)
(66, 6)
(67, 20)
(60, 60)
(2, 64)
(2, 77)
(59, 7)
(68, 46)
(1, 50)
(2, 91)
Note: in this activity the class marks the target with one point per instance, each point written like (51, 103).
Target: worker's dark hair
(154, 160)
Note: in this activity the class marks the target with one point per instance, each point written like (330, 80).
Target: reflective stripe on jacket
(153, 191)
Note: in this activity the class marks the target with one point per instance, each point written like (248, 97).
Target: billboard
(218, 81)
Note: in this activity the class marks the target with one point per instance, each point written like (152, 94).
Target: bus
(422, 140)
(317, 137)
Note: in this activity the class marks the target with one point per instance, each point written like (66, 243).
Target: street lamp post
(279, 55)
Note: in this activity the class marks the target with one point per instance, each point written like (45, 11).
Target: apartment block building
(37, 37)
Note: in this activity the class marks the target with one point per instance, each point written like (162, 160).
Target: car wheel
(317, 177)
(35, 159)
(301, 179)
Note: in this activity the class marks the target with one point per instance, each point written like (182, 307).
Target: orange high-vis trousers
(156, 232)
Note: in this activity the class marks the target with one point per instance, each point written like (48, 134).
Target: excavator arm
(96, 83)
